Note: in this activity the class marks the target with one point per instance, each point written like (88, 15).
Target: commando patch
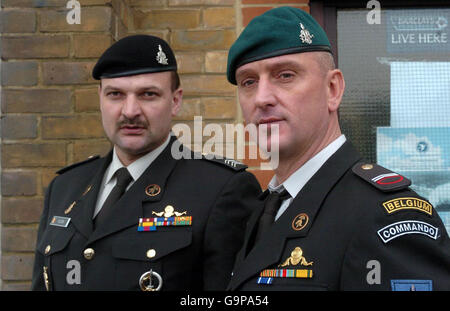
(401, 228)
(408, 203)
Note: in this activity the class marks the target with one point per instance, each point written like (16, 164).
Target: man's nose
(131, 107)
(265, 96)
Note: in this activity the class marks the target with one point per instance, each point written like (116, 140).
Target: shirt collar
(136, 168)
(300, 177)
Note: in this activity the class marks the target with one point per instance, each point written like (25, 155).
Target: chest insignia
(167, 217)
(296, 259)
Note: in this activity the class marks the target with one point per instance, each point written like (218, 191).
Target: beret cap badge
(305, 35)
(161, 56)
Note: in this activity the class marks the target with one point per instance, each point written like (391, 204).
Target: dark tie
(123, 179)
(271, 205)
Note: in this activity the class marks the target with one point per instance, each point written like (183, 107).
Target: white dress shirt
(135, 169)
(300, 177)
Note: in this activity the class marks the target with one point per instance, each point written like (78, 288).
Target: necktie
(123, 179)
(271, 206)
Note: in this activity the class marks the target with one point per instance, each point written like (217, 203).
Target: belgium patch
(380, 177)
(408, 203)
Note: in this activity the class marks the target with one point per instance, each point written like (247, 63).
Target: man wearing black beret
(140, 218)
(328, 221)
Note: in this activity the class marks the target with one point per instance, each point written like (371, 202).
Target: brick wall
(49, 106)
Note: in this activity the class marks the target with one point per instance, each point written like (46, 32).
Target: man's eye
(149, 94)
(248, 82)
(113, 94)
(286, 75)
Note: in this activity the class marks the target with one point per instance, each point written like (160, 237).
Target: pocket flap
(151, 246)
(55, 239)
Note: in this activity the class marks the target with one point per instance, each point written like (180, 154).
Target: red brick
(263, 177)
(19, 127)
(162, 19)
(83, 149)
(16, 286)
(204, 40)
(66, 127)
(86, 100)
(274, 1)
(249, 13)
(33, 155)
(17, 267)
(18, 239)
(19, 183)
(21, 210)
(35, 100)
(92, 19)
(36, 46)
(17, 21)
(206, 85)
(60, 73)
(33, 3)
(19, 73)
(90, 45)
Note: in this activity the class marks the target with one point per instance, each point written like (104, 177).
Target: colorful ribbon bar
(150, 224)
(287, 273)
(264, 280)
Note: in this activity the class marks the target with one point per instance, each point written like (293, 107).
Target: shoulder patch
(380, 177)
(69, 167)
(233, 164)
(408, 203)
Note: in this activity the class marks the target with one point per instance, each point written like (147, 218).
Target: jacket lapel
(81, 213)
(127, 211)
(268, 250)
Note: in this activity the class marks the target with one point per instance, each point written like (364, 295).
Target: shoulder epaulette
(233, 164)
(71, 166)
(380, 177)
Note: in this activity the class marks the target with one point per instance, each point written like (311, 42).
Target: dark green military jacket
(353, 226)
(215, 197)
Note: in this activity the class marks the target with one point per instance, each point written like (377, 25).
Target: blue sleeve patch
(412, 285)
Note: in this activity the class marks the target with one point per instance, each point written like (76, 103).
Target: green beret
(280, 31)
(133, 55)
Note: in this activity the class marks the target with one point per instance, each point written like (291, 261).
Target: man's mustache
(132, 122)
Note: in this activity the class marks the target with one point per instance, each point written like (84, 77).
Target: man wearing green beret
(142, 218)
(329, 220)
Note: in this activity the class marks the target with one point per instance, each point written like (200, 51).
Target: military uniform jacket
(345, 231)
(218, 198)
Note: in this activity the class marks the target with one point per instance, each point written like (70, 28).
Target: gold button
(47, 249)
(151, 253)
(89, 253)
(367, 167)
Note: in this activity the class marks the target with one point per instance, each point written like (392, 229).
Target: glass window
(396, 107)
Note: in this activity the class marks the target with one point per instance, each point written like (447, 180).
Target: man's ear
(336, 87)
(177, 99)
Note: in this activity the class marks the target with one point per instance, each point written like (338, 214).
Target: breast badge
(147, 281)
(296, 259)
(167, 217)
(152, 190)
(300, 221)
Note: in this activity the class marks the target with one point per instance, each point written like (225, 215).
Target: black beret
(135, 55)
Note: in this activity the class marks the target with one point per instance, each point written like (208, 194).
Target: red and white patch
(388, 179)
